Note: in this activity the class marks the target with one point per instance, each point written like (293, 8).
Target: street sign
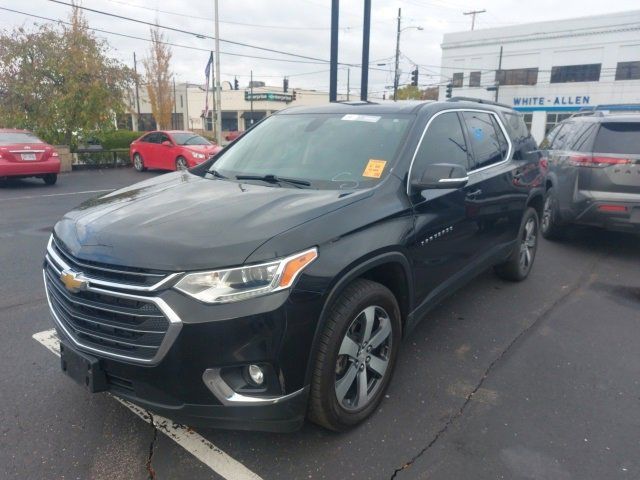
(268, 97)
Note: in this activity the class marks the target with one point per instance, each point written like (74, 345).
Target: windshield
(8, 138)
(187, 138)
(330, 151)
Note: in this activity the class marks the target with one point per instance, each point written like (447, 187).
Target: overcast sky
(302, 27)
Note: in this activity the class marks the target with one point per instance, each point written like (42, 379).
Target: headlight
(198, 155)
(234, 284)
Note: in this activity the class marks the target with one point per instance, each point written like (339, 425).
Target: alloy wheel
(137, 162)
(363, 358)
(181, 164)
(528, 245)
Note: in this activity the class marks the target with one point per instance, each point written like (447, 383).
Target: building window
(177, 121)
(528, 120)
(458, 79)
(628, 71)
(146, 122)
(555, 118)
(474, 79)
(229, 121)
(517, 76)
(125, 121)
(209, 121)
(576, 73)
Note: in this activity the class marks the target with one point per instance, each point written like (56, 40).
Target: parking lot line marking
(201, 448)
(27, 197)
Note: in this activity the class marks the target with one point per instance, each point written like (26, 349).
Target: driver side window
(443, 142)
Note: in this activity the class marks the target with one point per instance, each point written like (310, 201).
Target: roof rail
(478, 100)
(588, 113)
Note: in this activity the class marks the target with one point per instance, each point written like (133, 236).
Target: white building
(238, 110)
(550, 69)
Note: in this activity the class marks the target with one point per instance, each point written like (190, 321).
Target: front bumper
(213, 339)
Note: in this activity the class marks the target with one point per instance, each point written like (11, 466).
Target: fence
(102, 159)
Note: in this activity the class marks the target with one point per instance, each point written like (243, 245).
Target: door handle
(475, 194)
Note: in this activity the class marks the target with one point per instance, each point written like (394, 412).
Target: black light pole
(499, 74)
(366, 29)
(333, 68)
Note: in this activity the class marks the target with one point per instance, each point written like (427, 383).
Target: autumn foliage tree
(158, 79)
(59, 81)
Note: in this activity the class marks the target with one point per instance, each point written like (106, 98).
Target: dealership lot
(534, 380)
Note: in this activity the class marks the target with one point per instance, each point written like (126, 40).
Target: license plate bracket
(28, 156)
(83, 369)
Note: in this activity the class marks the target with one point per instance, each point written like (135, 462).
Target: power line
(179, 30)
(188, 47)
(199, 17)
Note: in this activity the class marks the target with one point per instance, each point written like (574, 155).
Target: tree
(158, 79)
(59, 81)
(410, 92)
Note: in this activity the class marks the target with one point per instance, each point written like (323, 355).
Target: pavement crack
(584, 279)
(148, 465)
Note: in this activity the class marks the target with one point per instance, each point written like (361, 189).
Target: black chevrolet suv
(594, 173)
(277, 280)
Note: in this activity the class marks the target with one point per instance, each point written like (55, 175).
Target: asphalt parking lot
(538, 380)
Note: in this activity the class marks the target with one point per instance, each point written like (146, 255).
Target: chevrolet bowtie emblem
(73, 281)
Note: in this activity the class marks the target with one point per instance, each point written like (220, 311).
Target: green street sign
(268, 97)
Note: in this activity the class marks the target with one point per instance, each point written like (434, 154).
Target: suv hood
(182, 221)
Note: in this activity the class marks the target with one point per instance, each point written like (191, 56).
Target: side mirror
(167, 143)
(441, 175)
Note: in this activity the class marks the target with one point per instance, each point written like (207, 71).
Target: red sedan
(22, 154)
(170, 150)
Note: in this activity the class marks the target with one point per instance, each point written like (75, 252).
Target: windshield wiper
(275, 179)
(215, 173)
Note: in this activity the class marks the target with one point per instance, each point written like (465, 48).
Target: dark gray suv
(593, 173)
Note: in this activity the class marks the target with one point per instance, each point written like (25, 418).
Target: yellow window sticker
(374, 168)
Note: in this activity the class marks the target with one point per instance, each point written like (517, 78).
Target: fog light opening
(256, 375)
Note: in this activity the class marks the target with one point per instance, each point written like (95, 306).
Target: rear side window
(517, 126)
(564, 139)
(8, 138)
(488, 143)
(620, 137)
(442, 143)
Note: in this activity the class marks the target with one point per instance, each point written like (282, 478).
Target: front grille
(110, 324)
(107, 272)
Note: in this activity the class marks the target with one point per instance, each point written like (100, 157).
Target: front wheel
(181, 163)
(356, 355)
(138, 163)
(518, 265)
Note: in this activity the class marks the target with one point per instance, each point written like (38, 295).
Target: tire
(550, 226)
(181, 163)
(138, 163)
(334, 372)
(519, 264)
(50, 178)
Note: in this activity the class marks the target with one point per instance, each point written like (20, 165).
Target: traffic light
(449, 89)
(236, 85)
(285, 84)
(294, 95)
(414, 77)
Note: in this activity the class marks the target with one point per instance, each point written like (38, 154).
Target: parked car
(277, 280)
(23, 155)
(170, 150)
(231, 136)
(594, 173)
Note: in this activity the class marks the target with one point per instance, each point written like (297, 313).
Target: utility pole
(174, 120)
(135, 71)
(217, 88)
(251, 95)
(499, 75)
(214, 109)
(348, 83)
(395, 76)
(473, 14)
(333, 66)
(366, 31)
